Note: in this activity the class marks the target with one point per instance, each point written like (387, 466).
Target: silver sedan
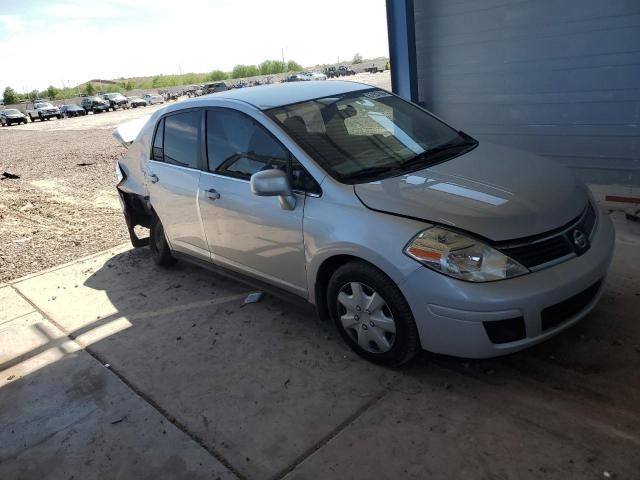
(404, 231)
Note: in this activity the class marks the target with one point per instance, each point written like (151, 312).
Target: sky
(48, 42)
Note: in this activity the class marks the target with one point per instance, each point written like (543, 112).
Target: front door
(245, 232)
(173, 179)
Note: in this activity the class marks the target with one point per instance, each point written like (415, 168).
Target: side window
(239, 147)
(158, 142)
(302, 180)
(181, 146)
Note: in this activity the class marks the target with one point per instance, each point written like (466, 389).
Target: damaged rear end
(130, 176)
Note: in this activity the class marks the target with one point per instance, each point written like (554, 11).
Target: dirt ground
(64, 205)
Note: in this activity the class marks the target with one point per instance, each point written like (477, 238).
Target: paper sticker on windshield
(376, 94)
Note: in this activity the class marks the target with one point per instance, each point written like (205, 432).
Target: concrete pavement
(199, 385)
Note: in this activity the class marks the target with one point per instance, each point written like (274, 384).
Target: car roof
(279, 94)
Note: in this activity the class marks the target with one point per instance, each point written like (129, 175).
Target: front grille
(536, 251)
(544, 251)
(565, 310)
(505, 331)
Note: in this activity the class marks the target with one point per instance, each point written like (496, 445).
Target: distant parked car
(344, 71)
(152, 99)
(116, 100)
(312, 76)
(72, 110)
(135, 101)
(215, 87)
(295, 78)
(341, 71)
(11, 116)
(94, 104)
(43, 111)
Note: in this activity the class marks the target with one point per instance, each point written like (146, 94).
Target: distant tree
(215, 76)
(158, 81)
(243, 71)
(293, 66)
(33, 94)
(129, 85)
(271, 67)
(10, 96)
(91, 90)
(52, 92)
(357, 58)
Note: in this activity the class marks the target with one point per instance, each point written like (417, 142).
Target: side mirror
(274, 183)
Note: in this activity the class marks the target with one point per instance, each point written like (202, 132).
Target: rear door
(173, 180)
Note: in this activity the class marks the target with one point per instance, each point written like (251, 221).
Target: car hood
(497, 192)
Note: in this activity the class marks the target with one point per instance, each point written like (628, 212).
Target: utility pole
(284, 65)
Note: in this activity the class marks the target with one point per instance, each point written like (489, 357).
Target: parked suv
(404, 231)
(94, 104)
(116, 100)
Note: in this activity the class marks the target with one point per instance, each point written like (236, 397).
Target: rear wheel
(372, 315)
(160, 251)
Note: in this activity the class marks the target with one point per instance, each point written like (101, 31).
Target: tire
(58, 117)
(389, 336)
(160, 251)
(31, 118)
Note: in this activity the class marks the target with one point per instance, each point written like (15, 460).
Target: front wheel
(372, 315)
(160, 251)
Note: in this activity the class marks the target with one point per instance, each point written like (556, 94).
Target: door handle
(213, 194)
(154, 178)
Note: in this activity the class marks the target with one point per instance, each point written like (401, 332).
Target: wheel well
(326, 270)
(136, 213)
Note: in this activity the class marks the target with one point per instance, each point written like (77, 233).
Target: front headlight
(461, 257)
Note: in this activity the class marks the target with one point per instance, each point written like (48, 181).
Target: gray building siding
(560, 78)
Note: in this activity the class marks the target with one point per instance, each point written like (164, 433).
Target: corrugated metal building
(560, 78)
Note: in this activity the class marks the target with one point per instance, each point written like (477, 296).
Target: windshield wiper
(370, 172)
(432, 154)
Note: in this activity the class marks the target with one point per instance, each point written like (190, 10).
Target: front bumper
(451, 314)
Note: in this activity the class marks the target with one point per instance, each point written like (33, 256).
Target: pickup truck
(43, 111)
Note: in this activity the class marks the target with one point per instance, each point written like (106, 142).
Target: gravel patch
(57, 210)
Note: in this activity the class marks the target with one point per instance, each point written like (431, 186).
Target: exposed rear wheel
(160, 251)
(372, 315)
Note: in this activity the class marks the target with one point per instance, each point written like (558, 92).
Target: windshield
(43, 105)
(370, 134)
(11, 111)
